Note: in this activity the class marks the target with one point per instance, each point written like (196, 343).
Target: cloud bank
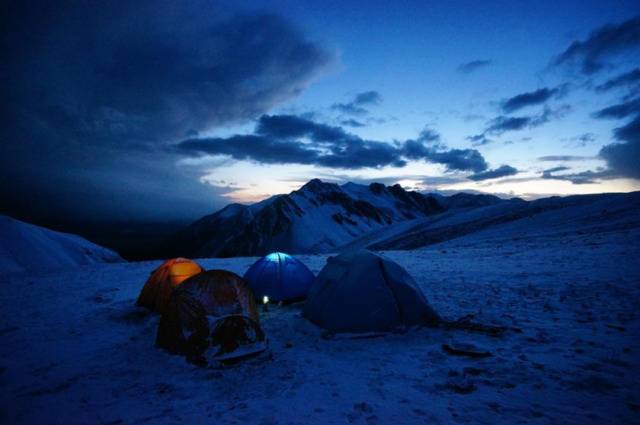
(87, 91)
(623, 156)
(290, 139)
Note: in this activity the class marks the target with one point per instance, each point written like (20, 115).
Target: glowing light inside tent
(276, 256)
(265, 299)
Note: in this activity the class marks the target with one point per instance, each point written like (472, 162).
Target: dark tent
(364, 292)
(280, 277)
(211, 315)
(157, 290)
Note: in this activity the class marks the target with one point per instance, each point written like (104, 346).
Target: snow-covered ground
(75, 349)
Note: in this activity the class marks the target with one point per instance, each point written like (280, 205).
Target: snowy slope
(25, 247)
(515, 216)
(566, 217)
(75, 349)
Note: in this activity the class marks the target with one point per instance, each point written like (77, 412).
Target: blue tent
(280, 277)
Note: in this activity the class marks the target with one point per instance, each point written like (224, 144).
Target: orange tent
(157, 290)
(214, 309)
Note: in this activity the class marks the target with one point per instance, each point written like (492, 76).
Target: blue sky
(157, 109)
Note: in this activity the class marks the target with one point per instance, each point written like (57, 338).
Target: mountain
(324, 217)
(469, 200)
(26, 247)
(319, 217)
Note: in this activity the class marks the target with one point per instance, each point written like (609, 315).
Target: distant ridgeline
(325, 217)
(328, 218)
(319, 217)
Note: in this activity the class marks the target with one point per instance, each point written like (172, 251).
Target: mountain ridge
(323, 217)
(318, 217)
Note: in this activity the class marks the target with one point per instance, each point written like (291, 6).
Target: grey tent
(364, 292)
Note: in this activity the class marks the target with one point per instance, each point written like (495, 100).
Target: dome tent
(156, 292)
(364, 292)
(280, 277)
(211, 310)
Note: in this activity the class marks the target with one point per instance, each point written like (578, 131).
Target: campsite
(90, 356)
(301, 212)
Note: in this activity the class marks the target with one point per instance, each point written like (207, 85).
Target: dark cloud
(368, 98)
(628, 79)
(621, 110)
(429, 135)
(593, 53)
(86, 91)
(349, 109)
(263, 149)
(352, 123)
(285, 139)
(585, 139)
(584, 177)
(550, 171)
(536, 97)
(427, 146)
(469, 67)
(479, 139)
(503, 123)
(472, 117)
(565, 158)
(458, 159)
(293, 126)
(502, 171)
(580, 140)
(357, 105)
(623, 158)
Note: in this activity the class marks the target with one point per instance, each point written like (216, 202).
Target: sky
(159, 110)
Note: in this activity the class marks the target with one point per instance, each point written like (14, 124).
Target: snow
(318, 218)
(316, 231)
(24, 246)
(590, 213)
(75, 349)
(231, 210)
(384, 201)
(606, 213)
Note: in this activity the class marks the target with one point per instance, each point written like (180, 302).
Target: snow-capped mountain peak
(318, 217)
